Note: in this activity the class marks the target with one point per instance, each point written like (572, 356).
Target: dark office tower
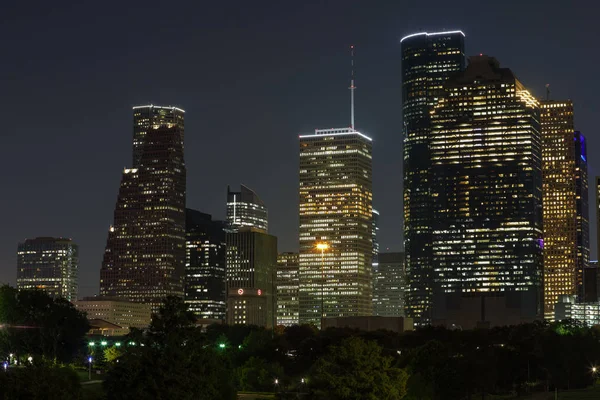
(336, 225)
(205, 248)
(49, 264)
(246, 210)
(146, 118)
(486, 173)
(389, 285)
(251, 272)
(374, 235)
(428, 59)
(565, 189)
(144, 260)
(288, 286)
(583, 210)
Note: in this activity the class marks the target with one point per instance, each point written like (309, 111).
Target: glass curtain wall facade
(428, 59)
(336, 212)
(288, 289)
(566, 230)
(49, 264)
(389, 285)
(486, 153)
(205, 251)
(246, 210)
(144, 259)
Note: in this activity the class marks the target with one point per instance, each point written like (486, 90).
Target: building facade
(251, 267)
(125, 314)
(486, 175)
(389, 285)
(288, 289)
(335, 212)
(566, 231)
(569, 308)
(246, 210)
(205, 251)
(144, 260)
(49, 264)
(428, 60)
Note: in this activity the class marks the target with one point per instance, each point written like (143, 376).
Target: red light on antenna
(352, 46)
(480, 54)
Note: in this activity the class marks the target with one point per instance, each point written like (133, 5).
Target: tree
(40, 381)
(356, 369)
(37, 324)
(174, 363)
(258, 375)
(112, 354)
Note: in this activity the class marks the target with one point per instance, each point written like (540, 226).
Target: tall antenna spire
(547, 91)
(352, 87)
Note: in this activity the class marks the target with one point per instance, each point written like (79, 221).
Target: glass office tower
(288, 287)
(49, 264)
(144, 259)
(246, 210)
(428, 59)
(336, 215)
(486, 176)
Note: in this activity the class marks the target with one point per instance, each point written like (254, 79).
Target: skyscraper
(428, 59)
(288, 286)
(564, 168)
(246, 209)
(144, 260)
(49, 264)
(486, 177)
(389, 285)
(335, 211)
(251, 272)
(205, 250)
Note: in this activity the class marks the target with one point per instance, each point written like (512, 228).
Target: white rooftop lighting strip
(336, 134)
(432, 34)
(152, 105)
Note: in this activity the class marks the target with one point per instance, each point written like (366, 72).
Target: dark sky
(251, 75)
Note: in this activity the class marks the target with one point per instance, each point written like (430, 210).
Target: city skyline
(92, 197)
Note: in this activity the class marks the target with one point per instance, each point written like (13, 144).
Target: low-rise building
(120, 312)
(370, 324)
(568, 308)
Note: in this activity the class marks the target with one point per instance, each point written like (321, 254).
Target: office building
(335, 213)
(144, 260)
(486, 177)
(251, 267)
(374, 235)
(119, 312)
(205, 250)
(49, 264)
(591, 283)
(568, 308)
(564, 179)
(428, 60)
(288, 289)
(246, 210)
(389, 285)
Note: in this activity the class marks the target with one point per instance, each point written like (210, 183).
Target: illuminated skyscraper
(144, 260)
(389, 285)
(335, 209)
(288, 286)
(245, 209)
(205, 292)
(486, 176)
(564, 167)
(49, 264)
(428, 59)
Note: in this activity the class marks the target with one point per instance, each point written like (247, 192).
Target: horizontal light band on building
(153, 106)
(336, 134)
(432, 34)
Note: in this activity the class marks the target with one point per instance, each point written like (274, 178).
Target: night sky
(251, 76)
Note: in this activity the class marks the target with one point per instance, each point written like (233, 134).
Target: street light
(90, 359)
(322, 246)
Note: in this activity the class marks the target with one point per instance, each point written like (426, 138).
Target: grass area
(581, 394)
(93, 391)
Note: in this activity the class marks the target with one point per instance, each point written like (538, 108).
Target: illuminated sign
(240, 291)
(259, 292)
